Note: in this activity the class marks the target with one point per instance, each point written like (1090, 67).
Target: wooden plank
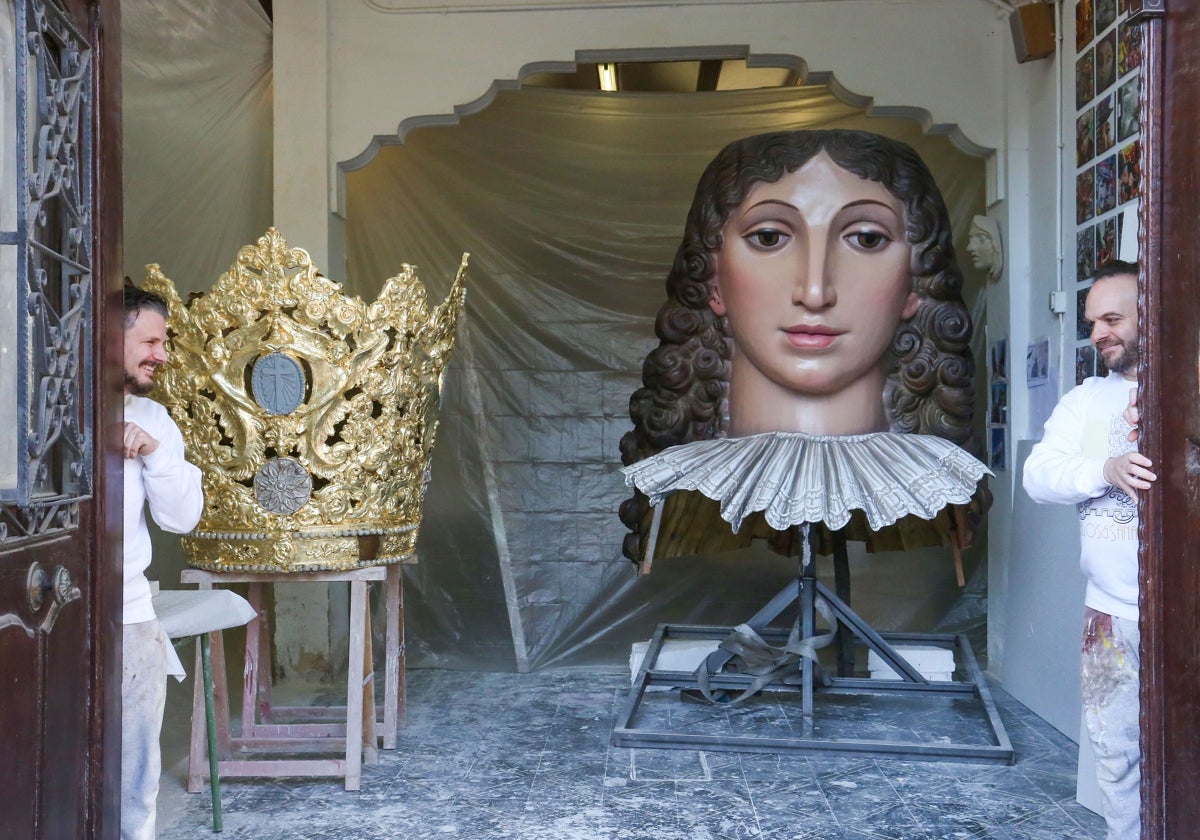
(253, 768)
(370, 746)
(281, 732)
(354, 686)
(393, 682)
(250, 667)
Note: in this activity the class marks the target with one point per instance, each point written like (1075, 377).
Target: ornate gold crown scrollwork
(312, 414)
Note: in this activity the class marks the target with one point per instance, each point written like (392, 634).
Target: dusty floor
(501, 755)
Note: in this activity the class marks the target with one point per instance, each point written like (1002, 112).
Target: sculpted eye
(766, 238)
(868, 240)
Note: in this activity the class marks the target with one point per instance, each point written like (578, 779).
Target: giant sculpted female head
(815, 291)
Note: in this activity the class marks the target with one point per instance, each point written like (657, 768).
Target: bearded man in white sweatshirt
(1088, 457)
(158, 476)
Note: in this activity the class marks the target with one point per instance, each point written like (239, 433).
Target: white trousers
(143, 697)
(1110, 679)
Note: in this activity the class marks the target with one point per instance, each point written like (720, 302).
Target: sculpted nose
(814, 288)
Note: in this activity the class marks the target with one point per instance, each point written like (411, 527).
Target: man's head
(1111, 309)
(145, 338)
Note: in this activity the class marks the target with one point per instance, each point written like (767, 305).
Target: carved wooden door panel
(60, 576)
(1170, 529)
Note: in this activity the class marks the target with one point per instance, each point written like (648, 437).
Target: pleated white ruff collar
(796, 478)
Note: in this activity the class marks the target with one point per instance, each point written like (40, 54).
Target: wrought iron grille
(54, 241)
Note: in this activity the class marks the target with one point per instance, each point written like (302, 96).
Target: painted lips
(811, 338)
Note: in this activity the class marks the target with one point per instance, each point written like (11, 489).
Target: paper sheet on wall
(1042, 400)
(1128, 249)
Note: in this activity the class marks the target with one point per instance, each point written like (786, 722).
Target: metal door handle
(38, 585)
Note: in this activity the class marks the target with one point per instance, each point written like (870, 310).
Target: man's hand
(136, 442)
(1131, 415)
(1129, 472)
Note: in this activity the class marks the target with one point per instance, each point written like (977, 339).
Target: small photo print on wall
(1085, 79)
(999, 402)
(1106, 61)
(1106, 13)
(1128, 96)
(1129, 172)
(1085, 363)
(1106, 185)
(1083, 24)
(999, 360)
(1085, 255)
(1106, 125)
(1106, 241)
(1082, 328)
(1085, 137)
(1037, 363)
(1129, 47)
(1085, 196)
(997, 451)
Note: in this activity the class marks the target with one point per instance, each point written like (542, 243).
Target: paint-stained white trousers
(143, 697)
(1109, 672)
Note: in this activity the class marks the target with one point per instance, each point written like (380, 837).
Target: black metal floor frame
(1001, 751)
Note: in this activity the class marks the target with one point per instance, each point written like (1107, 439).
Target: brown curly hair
(929, 366)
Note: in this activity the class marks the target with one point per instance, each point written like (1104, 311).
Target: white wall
(1018, 311)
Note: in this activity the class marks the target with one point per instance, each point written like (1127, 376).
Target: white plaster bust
(985, 247)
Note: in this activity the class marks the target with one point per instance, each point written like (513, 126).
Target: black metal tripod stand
(798, 654)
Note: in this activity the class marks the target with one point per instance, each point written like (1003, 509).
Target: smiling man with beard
(1087, 458)
(156, 474)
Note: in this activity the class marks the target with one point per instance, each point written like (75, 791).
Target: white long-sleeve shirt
(171, 486)
(1086, 428)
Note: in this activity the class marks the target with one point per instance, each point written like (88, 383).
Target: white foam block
(676, 655)
(932, 663)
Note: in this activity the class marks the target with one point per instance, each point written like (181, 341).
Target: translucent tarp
(572, 205)
(196, 112)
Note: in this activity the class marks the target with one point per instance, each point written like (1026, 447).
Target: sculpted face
(145, 350)
(984, 247)
(1111, 309)
(979, 245)
(814, 276)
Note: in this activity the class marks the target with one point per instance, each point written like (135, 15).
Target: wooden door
(60, 400)
(1170, 525)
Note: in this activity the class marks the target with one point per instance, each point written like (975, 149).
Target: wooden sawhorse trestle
(288, 730)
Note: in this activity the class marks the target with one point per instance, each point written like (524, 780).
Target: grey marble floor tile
(527, 756)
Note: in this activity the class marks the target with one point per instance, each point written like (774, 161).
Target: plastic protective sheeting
(572, 205)
(196, 79)
(196, 114)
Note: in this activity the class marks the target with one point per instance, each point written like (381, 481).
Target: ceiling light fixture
(608, 76)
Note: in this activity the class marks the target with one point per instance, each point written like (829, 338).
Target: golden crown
(311, 414)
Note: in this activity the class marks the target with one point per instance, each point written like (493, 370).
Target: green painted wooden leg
(210, 720)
